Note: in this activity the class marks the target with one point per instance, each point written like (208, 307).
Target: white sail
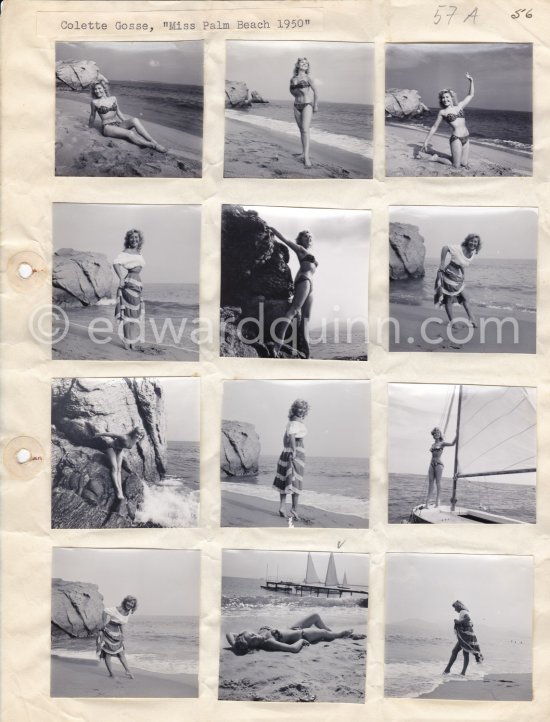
(345, 580)
(311, 574)
(331, 579)
(497, 433)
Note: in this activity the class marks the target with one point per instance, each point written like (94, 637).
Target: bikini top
(310, 258)
(301, 84)
(451, 117)
(102, 109)
(437, 446)
(275, 633)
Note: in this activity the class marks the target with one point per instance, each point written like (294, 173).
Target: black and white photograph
(459, 626)
(129, 109)
(125, 452)
(461, 454)
(463, 279)
(311, 608)
(299, 109)
(459, 109)
(125, 623)
(295, 454)
(125, 282)
(294, 283)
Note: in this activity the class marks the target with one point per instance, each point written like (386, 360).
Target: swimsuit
(450, 118)
(275, 633)
(103, 109)
(462, 138)
(309, 258)
(301, 84)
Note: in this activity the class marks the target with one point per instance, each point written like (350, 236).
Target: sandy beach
(251, 152)
(403, 144)
(83, 678)
(84, 151)
(493, 687)
(484, 339)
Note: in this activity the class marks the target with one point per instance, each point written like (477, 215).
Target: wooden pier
(298, 588)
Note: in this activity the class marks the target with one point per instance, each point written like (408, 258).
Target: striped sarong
(466, 638)
(449, 282)
(290, 471)
(110, 640)
(129, 306)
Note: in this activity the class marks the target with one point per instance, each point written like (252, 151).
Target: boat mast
(455, 471)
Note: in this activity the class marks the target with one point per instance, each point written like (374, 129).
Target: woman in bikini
(117, 446)
(291, 463)
(114, 124)
(466, 639)
(449, 282)
(290, 640)
(435, 471)
(303, 89)
(110, 639)
(129, 308)
(302, 300)
(453, 113)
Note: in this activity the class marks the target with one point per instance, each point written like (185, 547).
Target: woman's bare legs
(301, 293)
(304, 324)
(303, 120)
(312, 620)
(449, 308)
(120, 456)
(431, 478)
(471, 317)
(124, 663)
(456, 153)
(294, 510)
(454, 655)
(282, 502)
(466, 662)
(136, 134)
(466, 154)
(107, 659)
(438, 475)
(113, 461)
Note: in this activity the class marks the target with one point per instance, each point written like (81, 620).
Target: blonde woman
(110, 639)
(130, 308)
(303, 90)
(291, 463)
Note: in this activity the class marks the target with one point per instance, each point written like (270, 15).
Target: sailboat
(495, 441)
(311, 573)
(331, 579)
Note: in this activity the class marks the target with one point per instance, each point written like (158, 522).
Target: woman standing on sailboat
(435, 471)
(449, 282)
(466, 639)
(290, 466)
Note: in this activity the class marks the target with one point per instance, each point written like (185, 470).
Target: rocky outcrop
(403, 103)
(237, 95)
(77, 609)
(407, 252)
(81, 278)
(83, 492)
(256, 282)
(255, 97)
(76, 74)
(240, 452)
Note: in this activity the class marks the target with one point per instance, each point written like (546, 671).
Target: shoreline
(502, 687)
(252, 152)
(73, 677)
(402, 144)
(245, 510)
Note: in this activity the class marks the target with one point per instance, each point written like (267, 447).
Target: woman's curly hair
(451, 93)
(104, 84)
(297, 69)
(299, 408)
(470, 237)
(130, 598)
(302, 236)
(131, 233)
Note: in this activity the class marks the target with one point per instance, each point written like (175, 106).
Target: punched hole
(23, 455)
(24, 270)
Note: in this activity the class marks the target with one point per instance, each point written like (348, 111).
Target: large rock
(237, 95)
(81, 278)
(77, 609)
(240, 451)
(83, 493)
(403, 103)
(76, 74)
(407, 252)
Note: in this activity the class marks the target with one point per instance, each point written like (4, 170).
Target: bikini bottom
(462, 138)
(301, 279)
(118, 123)
(301, 106)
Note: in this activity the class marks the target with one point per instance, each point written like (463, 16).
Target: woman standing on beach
(114, 124)
(449, 282)
(291, 640)
(302, 88)
(302, 300)
(453, 113)
(467, 640)
(130, 309)
(435, 470)
(290, 466)
(110, 640)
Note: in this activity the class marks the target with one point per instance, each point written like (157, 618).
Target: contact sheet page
(275, 360)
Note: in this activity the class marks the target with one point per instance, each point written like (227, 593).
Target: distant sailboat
(331, 580)
(344, 584)
(495, 438)
(311, 573)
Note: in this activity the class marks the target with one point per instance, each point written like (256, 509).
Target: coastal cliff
(237, 95)
(83, 492)
(407, 252)
(240, 452)
(81, 278)
(403, 104)
(77, 609)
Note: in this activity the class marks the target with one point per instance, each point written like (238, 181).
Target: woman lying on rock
(287, 640)
(116, 125)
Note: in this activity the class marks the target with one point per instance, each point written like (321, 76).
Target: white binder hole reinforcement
(25, 270)
(23, 455)
(23, 458)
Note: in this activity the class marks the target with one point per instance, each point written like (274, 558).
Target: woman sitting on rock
(117, 446)
(116, 125)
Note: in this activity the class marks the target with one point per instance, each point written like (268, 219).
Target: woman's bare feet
(160, 148)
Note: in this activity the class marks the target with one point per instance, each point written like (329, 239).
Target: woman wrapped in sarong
(290, 466)
(466, 639)
(130, 309)
(110, 638)
(450, 282)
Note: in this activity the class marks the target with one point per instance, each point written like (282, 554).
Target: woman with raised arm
(452, 112)
(302, 300)
(116, 125)
(110, 639)
(450, 280)
(291, 463)
(466, 639)
(129, 307)
(288, 640)
(435, 471)
(303, 89)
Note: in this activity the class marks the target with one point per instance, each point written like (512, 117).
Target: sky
(342, 72)
(502, 72)
(505, 233)
(337, 422)
(179, 63)
(415, 409)
(164, 581)
(172, 235)
(497, 589)
(341, 246)
(292, 565)
(182, 408)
